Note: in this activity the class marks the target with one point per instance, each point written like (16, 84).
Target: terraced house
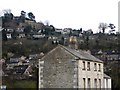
(65, 67)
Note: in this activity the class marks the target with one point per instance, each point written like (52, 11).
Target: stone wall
(58, 69)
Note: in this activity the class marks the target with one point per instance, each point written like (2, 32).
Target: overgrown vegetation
(26, 47)
(27, 84)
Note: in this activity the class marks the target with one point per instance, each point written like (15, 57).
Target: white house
(107, 82)
(9, 36)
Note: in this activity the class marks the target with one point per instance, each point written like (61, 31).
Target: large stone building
(64, 67)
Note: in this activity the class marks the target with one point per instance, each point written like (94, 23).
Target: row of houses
(34, 34)
(66, 31)
(20, 67)
(23, 35)
(108, 55)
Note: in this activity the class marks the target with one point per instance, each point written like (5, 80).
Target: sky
(76, 14)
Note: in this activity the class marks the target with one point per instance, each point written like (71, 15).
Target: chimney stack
(73, 42)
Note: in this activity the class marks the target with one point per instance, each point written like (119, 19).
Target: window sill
(83, 69)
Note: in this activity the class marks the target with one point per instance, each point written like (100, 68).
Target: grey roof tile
(106, 76)
(81, 54)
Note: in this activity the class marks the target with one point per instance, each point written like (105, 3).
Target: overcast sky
(67, 13)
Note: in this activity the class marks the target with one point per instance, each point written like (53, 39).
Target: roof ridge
(82, 57)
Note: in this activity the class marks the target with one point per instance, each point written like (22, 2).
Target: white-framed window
(88, 66)
(100, 83)
(99, 67)
(89, 83)
(95, 83)
(84, 85)
(95, 67)
(83, 65)
(106, 83)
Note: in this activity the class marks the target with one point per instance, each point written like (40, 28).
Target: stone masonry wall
(58, 69)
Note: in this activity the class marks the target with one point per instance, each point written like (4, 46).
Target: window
(106, 83)
(89, 83)
(83, 65)
(95, 83)
(95, 67)
(84, 83)
(88, 66)
(100, 83)
(99, 67)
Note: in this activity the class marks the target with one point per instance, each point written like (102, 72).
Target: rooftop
(81, 54)
(106, 76)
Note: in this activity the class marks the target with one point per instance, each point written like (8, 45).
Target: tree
(52, 28)
(62, 40)
(97, 46)
(103, 26)
(80, 30)
(8, 16)
(4, 36)
(48, 30)
(14, 34)
(31, 16)
(87, 42)
(23, 13)
(112, 28)
(22, 16)
(27, 29)
(47, 23)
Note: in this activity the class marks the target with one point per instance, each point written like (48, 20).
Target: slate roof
(81, 54)
(106, 76)
(20, 69)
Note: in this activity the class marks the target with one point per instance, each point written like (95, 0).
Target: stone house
(22, 72)
(16, 62)
(64, 67)
(109, 55)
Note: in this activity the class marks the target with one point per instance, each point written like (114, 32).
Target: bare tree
(6, 11)
(103, 27)
(47, 22)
